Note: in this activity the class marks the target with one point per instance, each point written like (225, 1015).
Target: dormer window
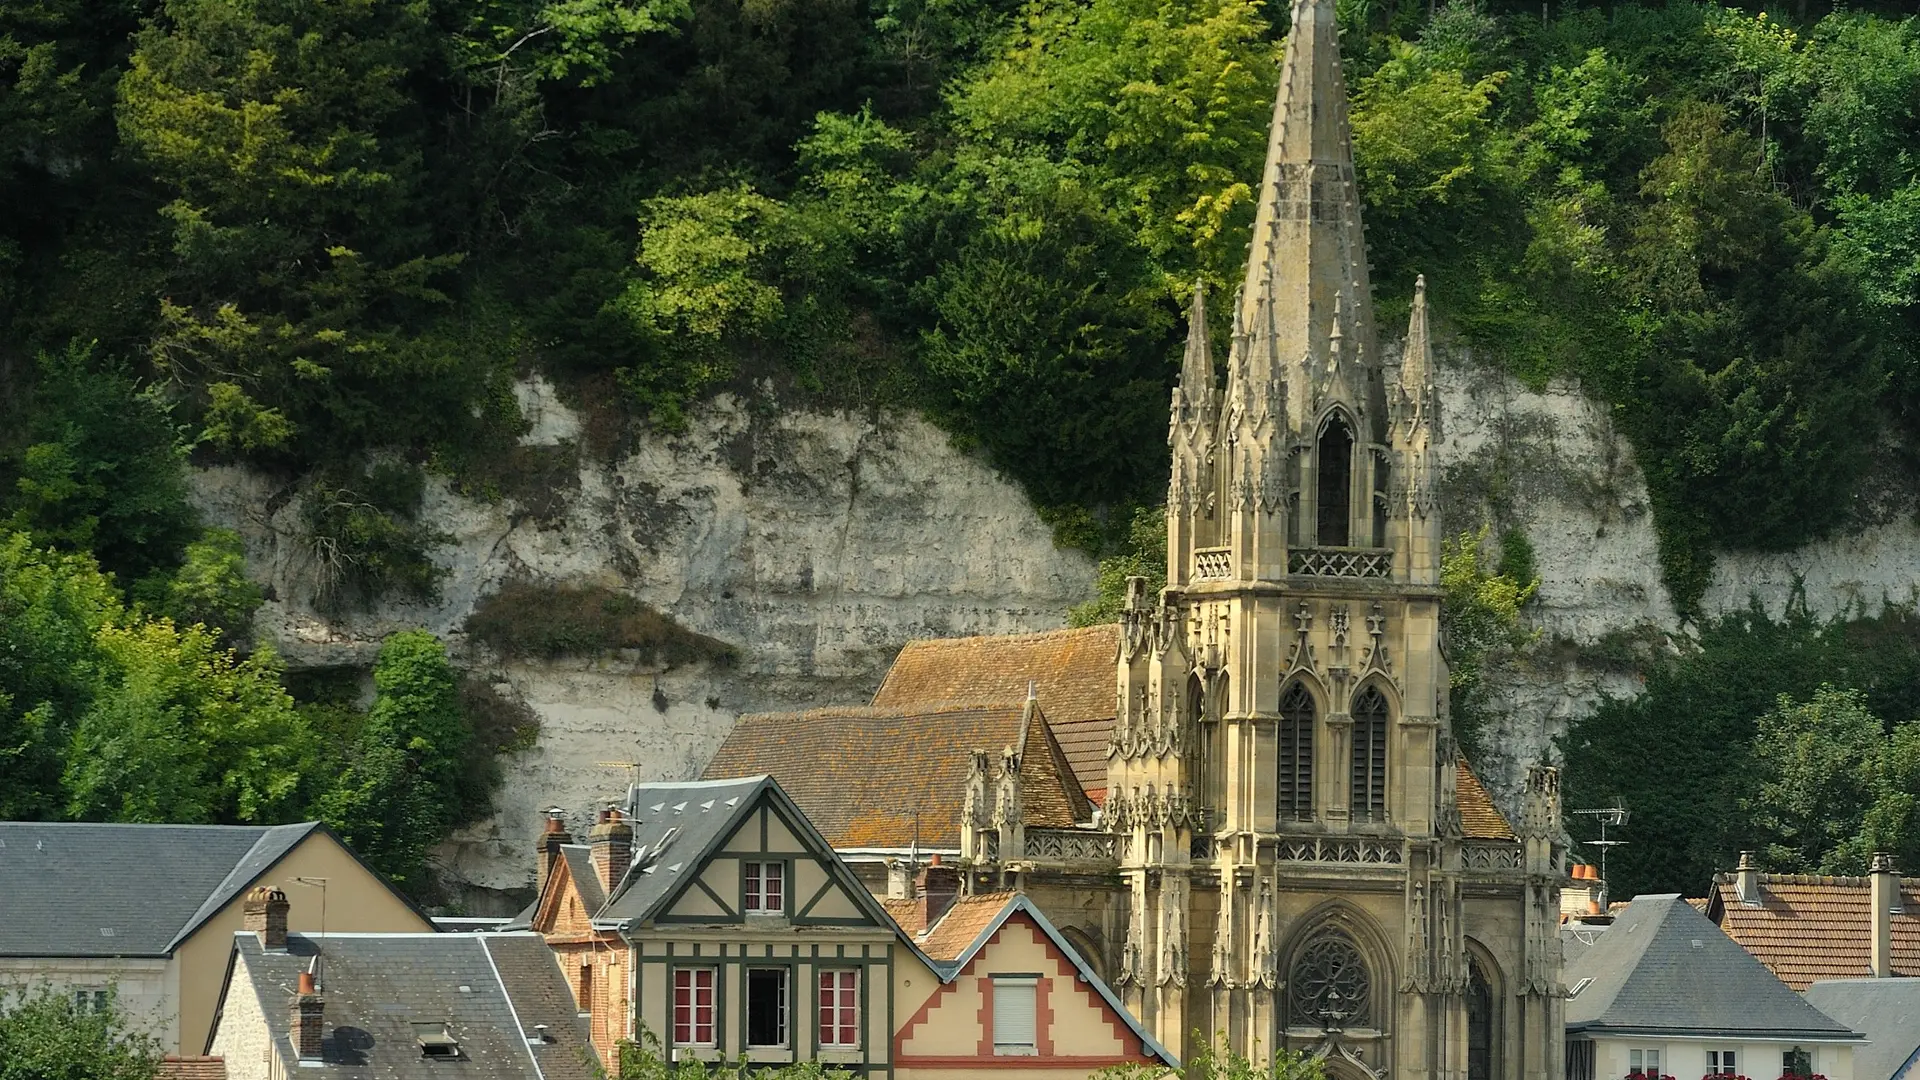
(436, 1040)
(765, 887)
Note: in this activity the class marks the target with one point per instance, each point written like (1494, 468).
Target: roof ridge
(888, 712)
(1025, 635)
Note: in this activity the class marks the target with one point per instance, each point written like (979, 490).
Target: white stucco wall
(147, 990)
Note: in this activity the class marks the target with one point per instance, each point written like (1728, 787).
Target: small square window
(1722, 1062)
(1643, 1063)
(765, 887)
(436, 1040)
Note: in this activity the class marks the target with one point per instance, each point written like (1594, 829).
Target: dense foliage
(1757, 750)
(45, 1035)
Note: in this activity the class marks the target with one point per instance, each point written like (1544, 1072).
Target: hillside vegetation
(322, 237)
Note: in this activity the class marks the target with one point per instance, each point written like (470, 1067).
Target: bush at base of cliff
(524, 619)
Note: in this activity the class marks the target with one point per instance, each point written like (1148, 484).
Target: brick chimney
(264, 912)
(307, 1010)
(611, 845)
(1883, 892)
(938, 886)
(1746, 880)
(553, 834)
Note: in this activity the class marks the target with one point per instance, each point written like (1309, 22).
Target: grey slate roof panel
(692, 819)
(1886, 1011)
(580, 864)
(375, 987)
(540, 995)
(80, 889)
(1663, 968)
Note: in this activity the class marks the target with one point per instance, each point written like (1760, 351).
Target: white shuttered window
(1015, 1014)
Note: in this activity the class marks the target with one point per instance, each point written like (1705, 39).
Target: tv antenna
(1616, 816)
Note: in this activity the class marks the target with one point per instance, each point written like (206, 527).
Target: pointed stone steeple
(1306, 287)
(1196, 368)
(1418, 403)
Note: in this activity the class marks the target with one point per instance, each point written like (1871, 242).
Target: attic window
(1579, 986)
(436, 1040)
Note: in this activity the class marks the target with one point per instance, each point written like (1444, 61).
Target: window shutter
(1013, 1016)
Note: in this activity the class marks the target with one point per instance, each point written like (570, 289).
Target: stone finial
(1196, 367)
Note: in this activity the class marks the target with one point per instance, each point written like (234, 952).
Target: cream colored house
(1663, 992)
(150, 910)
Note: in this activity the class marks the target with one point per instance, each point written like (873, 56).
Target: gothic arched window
(1296, 752)
(1479, 1022)
(1369, 801)
(1329, 986)
(1334, 492)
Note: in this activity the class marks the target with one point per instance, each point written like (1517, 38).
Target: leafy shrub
(365, 536)
(551, 621)
(1481, 619)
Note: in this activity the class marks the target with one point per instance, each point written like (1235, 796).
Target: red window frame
(765, 887)
(840, 1008)
(693, 1006)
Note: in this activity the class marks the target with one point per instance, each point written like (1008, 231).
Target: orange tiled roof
(1480, 819)
(1809, 927)
(904, 912)
(1697, 903)
(177, 1067)
(955, 930)
(861, 774)
(1073, 672)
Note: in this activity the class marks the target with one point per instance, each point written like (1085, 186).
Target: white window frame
(90, 999)
(1028, 985)
(693, 1006)
(833, 1017)
(1723, 1062)
(754, 875)
(783, 1013)
(1638, 1058)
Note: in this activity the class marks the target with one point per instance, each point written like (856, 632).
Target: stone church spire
(1306, 303)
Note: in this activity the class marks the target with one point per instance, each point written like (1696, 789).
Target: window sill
(770, 1055)
(696, 1052)
(1016, 1051)
(840, 1055)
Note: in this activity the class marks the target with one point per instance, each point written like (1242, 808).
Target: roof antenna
(321, 884)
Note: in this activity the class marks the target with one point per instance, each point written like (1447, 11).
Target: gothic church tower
(1282, 776)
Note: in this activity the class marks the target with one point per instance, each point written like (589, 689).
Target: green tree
(52, 607)
(397, 796)
(44, 1036)
(182, 730)
(1837, 786)
(1145, 557)
(211, 588)
(102, 468)
(1481, 620)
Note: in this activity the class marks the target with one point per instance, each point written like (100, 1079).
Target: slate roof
(1810, 927)
(64, 885)
(690, 819)
(861, 774)
(1479, 818)
(1663, 970)
(1887, 1011)
(579, 859)
(1073, 673)
(375, 987)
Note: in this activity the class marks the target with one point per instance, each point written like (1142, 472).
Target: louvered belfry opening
(1370, 756)
(1296, 752)
(1335, 490)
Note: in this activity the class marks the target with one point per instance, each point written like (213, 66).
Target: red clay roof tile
(1809, 927)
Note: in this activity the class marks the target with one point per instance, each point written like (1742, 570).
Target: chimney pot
(263, 912)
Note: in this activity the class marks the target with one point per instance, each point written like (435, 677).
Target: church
(1244, 803)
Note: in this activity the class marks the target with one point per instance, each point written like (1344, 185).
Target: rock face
(815, 543)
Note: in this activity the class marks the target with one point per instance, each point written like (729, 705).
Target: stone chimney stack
(1883, 891)
(939, 884)
(900, 879)
(308, 1011)
(553, 834)
(611, 845)
(264, 912)
(1746, 880)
